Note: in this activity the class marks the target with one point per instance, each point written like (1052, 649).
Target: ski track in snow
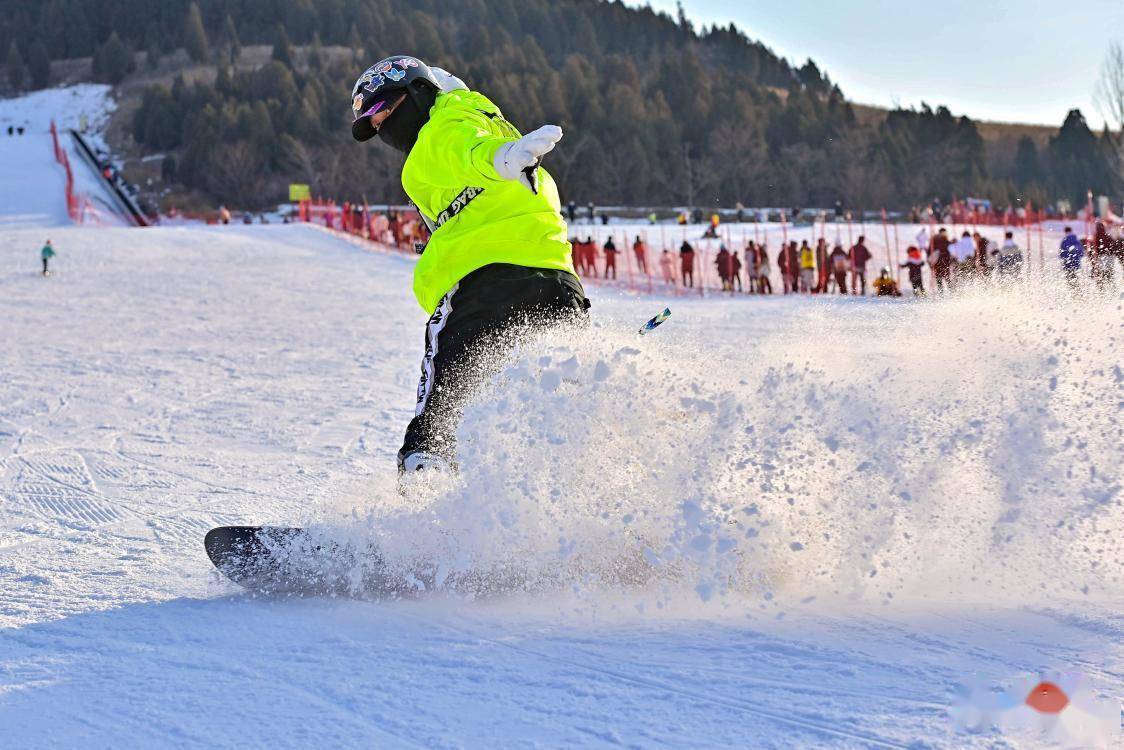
(166, 381)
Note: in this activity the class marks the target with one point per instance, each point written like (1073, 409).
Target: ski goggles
(383, 102)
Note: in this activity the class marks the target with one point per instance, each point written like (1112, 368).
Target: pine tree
(17, 71)
(282, 50)
(316, 53)
(152, 51)
(113, 60)
(195, 36)
(230, 39)
(39, 64)
(1026, 162)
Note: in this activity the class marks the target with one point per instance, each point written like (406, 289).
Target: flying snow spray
(656, 321)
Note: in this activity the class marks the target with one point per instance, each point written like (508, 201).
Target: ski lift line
(131, 209)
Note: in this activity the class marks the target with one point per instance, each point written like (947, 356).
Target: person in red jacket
(788, 261)
(822, 270)
(610, 258)
(723, 263)
(940, 260)
(859, 257)
(591, 256)
(687, 263)
(641, 251)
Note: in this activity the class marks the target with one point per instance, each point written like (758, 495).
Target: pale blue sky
(1028, 61)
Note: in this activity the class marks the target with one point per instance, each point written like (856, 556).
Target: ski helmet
(380, 86)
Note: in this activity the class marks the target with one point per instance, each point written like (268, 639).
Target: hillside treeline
(656, 112)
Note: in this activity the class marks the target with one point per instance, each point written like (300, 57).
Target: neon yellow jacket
(450, 177)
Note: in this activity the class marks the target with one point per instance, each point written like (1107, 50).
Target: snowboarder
(736, 270)
(497, 253)
(46, 254)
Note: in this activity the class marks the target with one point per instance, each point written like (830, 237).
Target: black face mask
(400, 130)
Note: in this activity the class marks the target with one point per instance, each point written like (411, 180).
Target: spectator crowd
(934, 262)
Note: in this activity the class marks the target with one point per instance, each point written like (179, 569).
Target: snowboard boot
(423, 474)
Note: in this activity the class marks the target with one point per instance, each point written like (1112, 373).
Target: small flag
(656, 321)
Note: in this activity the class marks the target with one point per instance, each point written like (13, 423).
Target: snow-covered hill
(32, 182)
(844, 508)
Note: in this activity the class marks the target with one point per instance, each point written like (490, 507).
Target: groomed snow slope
(32, 183)
(842, 508)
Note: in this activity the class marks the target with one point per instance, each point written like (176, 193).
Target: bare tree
(1110, 98)
(236, 174)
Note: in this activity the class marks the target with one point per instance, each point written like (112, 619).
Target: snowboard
(290, 561)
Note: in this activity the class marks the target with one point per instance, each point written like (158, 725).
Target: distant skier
(885, 286)
(940, 260)
(1101, 260)
(722, 261)
(1008, 258)
(667, 267)
(46, 254)
(687, 263)
(1072, 251)
(807, 267)
(610, 250)
(640, 250)
(915, 262)
(822, 271)
(497, 254)
(764, 285)
(839, 261)
(859, 257)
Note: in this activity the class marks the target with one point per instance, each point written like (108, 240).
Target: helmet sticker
(407, 62)
(374, 83)
(357, 103)
(382, 67)
(395, 75)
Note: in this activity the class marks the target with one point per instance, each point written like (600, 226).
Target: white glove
(519, 160)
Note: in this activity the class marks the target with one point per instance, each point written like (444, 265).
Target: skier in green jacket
(46, 254)
(497, 255)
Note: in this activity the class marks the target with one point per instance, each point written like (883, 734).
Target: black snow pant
(44, 266)
(473, 324)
